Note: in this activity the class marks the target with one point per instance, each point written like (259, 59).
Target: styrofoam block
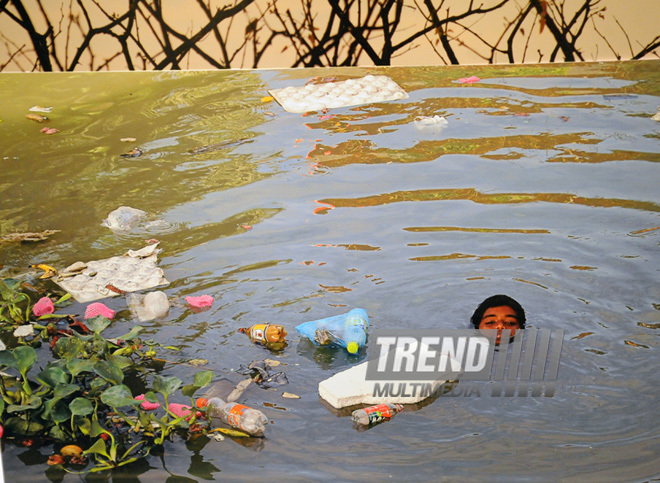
(350, 387)
(327, 95)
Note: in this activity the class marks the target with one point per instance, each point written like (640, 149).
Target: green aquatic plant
(75, 392)
(14, 304)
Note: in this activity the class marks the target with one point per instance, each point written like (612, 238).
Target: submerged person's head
(499, 312)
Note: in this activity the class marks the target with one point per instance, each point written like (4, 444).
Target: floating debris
(134, 153)
(469, 80)
(40, 109)
(128, 140)
(50, 130)
(36, 117)
(656, 116)
(136, 270)
(123, 218)
(28, 237)
(326, 95)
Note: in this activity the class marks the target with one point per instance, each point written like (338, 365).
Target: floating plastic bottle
(265, 333)
(347, 330)
(243, 418)
(375, 414)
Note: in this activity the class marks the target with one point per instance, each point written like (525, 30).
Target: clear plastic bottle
(347, 330)
(375, 414)
(243, 418)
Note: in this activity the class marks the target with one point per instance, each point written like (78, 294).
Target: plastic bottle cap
(352, 347)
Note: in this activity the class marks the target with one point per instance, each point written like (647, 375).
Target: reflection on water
(543, 185)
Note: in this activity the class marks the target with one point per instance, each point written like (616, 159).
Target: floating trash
(150, 306)
(40, 109)
(352, 92)
(430, 122)
(36, 117)
(123, 218)
(136, 270)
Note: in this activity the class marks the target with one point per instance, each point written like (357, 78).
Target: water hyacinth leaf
(33, 403)
(97, 385)
(76, 366)
(69, 348)
(166, 385)
(2, 405)
(120, 361)
(189, 390)
(203, 378)
(63, 390)
(151, 397)
(97, 324)
(60, 412)
(7, 359)
(57, 433)
(52, 376)
(81, 407)
(96, 429)
(109, 372)
(118, 396)
(133, 333)
(98, 448)
(25, 357)
(20, 426)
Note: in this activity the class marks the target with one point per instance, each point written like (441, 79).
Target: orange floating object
(265, 333)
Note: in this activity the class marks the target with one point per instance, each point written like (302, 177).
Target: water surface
(543, 186)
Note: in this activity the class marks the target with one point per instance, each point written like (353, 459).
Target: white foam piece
(350, 387)
(328, 95)
(136, 270)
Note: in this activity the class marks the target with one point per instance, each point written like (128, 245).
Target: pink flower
(201, 301)
(182, 410)
(43, 306)
(146, 405)
(98, 309)
(469, 80)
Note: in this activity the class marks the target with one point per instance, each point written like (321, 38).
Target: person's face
(500, 318)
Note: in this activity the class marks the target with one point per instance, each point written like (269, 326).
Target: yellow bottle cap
(352, 347)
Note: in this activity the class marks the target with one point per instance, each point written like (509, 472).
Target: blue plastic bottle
(347, 330)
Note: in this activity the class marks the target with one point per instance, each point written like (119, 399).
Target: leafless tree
(144, 35)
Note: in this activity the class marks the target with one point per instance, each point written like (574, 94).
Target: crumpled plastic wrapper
(149, 306)
(327, 95)
(98, 279)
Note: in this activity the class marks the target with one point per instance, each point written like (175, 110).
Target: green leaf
(63, 390)
(96, 429)
(56, 432)
(7, 359)
(118, 396)
(33, 403)
(109, 372)
(60, 412)
(203, 378)
(98, 448)
(81, 407)
(132, 334)
(189, 390)
(52, 376)
(20, 426)
(69, 348)
(166, 385)
(25, 357)
(97, 324)
(120, 361)
(76, 366)
(84, 425)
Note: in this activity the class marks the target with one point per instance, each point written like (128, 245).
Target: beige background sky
(639, 19)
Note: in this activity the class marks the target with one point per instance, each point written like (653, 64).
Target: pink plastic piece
(469, 80)
(43, 306)
(98, 309)
(182, 410)
(146, 405)
(201, 301)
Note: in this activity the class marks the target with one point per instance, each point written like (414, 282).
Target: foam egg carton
(136, 270)
(329, 95)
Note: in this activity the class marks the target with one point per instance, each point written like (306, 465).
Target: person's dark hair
(498, 301)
